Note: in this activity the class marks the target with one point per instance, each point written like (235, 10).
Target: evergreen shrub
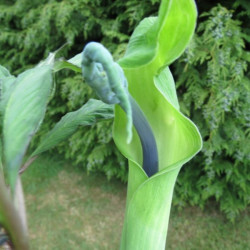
(214, 90)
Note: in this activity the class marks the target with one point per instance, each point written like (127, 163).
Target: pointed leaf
(59, 65)
(74, 64)
(76, 60)
(166, 85)
(49, 60)
(161, 40)
(87, 115)
(25, 108)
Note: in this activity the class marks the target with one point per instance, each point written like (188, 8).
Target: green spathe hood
(155, 43)
(152, 85)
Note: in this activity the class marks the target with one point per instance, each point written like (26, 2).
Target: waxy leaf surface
(23, 112)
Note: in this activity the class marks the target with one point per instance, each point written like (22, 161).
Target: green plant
(156, 43)
(220, 53)
(53, 24)
(23, 102)
(155, 156)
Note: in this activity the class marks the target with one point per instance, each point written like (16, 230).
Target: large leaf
(155, 43)
(24, 110)
(87, 115)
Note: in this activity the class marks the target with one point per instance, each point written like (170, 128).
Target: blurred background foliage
(212, 81)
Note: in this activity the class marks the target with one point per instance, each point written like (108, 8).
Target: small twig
(27, 164)
(19, 203)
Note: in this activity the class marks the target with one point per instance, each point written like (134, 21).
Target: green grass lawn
(67, 209)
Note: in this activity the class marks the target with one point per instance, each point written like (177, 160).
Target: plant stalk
(11, 219)
(27, 164)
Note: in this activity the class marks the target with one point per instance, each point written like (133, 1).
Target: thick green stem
(11, 219)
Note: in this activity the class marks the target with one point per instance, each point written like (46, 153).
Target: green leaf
(161, 40)
(155, 43)
(167, 90)
(74, 64)
(24, 110)
(88, 114)
(76, 60)
(49, 60)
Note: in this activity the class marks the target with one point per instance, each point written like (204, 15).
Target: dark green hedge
(212, 82)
